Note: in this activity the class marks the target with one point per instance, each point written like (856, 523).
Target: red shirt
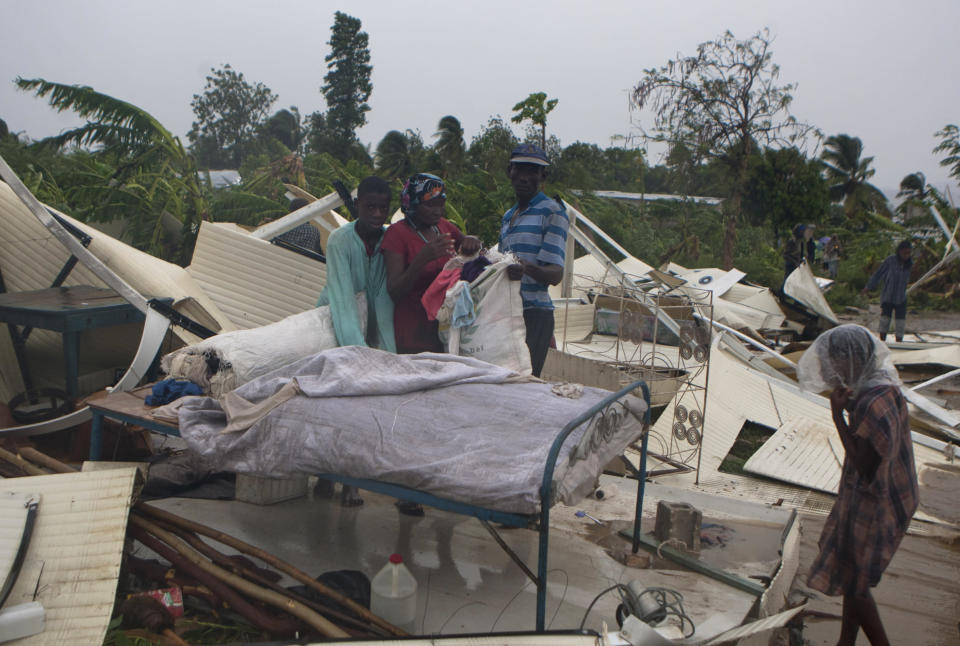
(413, 330)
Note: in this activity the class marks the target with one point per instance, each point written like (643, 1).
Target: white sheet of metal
(801, 452)
(944, 355)
(759, 297)
(572, 322)
(712, 279)
(654, 197)
(754, 628)
(809, 454)
(802, 286)
(739, 393)
(253, 281)
(75, 552)
(13, 521)
(31, 257)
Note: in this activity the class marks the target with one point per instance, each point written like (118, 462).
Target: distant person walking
(799, 247)
(831, 256)
(894, 272)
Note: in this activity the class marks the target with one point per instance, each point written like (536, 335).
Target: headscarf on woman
(848, 356)
(420, 188)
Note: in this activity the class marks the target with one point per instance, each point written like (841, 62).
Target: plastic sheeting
(452, 426)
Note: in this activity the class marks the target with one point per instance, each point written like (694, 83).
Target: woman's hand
(470, 246)
(839, 399)
(439, 247)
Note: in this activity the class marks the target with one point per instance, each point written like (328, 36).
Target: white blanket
(452, 426)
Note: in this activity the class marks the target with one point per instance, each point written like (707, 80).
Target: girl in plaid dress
(878, 488)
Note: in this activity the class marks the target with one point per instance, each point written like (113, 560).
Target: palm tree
(394, 157)
(920, 200)
(847, 174)
(149, 172)
(450, 145)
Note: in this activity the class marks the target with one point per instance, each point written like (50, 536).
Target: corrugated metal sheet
(755, 628)
(738, 393)
(31, 257)
(802, 452)
(13, 521)
(572, 322)
(945, 355)
(75, 551)
(802, 286)
(591, 275)
(253, 281)
(653, 197)
(809, 453)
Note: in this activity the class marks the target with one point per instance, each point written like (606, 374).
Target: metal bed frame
(539, 521)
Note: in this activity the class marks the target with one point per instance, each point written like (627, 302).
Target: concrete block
(678, 522)
(267, 491)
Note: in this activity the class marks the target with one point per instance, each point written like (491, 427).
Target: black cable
(672, 607)
(615, 586)
(21, 551)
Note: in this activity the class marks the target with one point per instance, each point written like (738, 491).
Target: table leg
(96, 431)
(71, 356)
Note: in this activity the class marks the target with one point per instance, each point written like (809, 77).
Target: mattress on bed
(451, 426)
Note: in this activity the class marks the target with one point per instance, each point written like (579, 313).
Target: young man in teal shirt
(355, 264)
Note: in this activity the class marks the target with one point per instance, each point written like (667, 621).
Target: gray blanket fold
(455, 427)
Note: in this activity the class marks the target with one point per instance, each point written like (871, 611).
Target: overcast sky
(886, 71)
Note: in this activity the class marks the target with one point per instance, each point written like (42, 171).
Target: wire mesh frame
(640, 345)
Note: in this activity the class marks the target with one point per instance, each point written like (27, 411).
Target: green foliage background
(125, 166)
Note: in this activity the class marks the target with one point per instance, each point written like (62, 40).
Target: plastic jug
(393, 594)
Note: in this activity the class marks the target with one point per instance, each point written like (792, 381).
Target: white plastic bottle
(393, 594)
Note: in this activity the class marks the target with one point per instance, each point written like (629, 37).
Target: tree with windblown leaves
(229, 112)
(722, 103)
(139, 169)
(535, 109)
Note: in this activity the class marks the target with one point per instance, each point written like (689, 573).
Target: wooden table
(68, 310)
(125, 407)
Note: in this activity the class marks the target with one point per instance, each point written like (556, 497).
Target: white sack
(243, 355)
(498, 334)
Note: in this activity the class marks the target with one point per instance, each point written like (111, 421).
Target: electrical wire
(669, 602)
(615, 586)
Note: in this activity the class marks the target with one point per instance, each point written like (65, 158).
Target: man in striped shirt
(535, 231)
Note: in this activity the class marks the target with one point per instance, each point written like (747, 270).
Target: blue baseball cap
(529, 154)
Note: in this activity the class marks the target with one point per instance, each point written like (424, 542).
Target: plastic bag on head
(849, 356)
